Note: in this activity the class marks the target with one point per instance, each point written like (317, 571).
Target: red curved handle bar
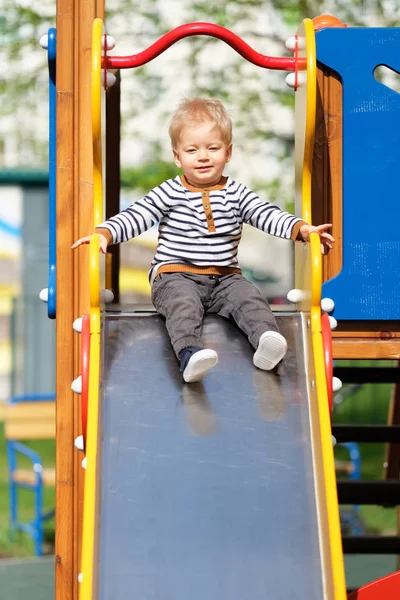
(212, 30)
(85, 359)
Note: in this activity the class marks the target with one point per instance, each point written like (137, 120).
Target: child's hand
(86, 240)
(327, 240)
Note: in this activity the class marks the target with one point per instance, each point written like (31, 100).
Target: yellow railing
(309, 280)
(90, 505)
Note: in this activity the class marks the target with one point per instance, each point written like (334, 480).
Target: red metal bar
(212, 30)
(85, 360)
(327, 344)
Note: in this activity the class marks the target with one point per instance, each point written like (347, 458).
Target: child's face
(202, 154)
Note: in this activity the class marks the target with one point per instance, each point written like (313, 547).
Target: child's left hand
(327, 240)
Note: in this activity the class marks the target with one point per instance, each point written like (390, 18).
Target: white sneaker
(199, 364)
(272, 347)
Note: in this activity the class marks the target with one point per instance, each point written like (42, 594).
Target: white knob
(291, 79)
(84, 462)
(79, 445)
(291, 43)
(44, 41)
(110, 42)
(44, 295)
(106, 296)
(336, 384)
(110, 79)
(77, 325)
(332, 322)
(327, 305)
(334, 441)
(295, 295)
(80, 577)
(76, 385)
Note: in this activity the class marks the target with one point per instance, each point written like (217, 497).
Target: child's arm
(131, 222)
(277, 222)
(327, 240)
(86, 240)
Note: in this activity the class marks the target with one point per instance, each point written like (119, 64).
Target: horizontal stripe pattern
(184, 237)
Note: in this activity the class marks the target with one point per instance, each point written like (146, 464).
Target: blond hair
(197, 110)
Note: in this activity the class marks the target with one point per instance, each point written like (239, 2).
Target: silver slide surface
(207, 490)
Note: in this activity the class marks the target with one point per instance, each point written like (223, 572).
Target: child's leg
(180, 299)
(238, 299)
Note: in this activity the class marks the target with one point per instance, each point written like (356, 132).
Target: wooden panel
(113, 126)
(30, 431)
(65, 278)
(74, 210)
(327, 164)
(29, 477)
(364, 348)
(27, 411)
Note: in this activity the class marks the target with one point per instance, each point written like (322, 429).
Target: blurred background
(261, 106)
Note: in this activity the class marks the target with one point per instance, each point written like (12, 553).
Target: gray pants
(184, 298)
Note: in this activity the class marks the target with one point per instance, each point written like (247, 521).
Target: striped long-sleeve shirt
(199, 229)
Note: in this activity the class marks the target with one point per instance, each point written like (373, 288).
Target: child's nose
(203, 154)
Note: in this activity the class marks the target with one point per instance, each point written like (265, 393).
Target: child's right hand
(87, 238)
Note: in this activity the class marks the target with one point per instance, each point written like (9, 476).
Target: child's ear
(176, 159)
(229, 153)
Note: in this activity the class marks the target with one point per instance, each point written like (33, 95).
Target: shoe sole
(199, 368)
(270, 351)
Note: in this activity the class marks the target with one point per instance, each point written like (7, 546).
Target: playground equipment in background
(29, 417)
(73, 174)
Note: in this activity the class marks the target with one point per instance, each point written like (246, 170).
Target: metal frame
(34, 528)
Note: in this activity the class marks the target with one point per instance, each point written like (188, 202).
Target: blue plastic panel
(368, 286)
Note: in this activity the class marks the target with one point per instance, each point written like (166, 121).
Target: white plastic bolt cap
(44, 295)
(327, 305)
(336, 384)
(295, 295)
(334, 441)
(107, 296)
(80, 577)
(84, 462)
(291, 79)
(110, 42)
(79, 445)
(78, 325)
(291, 43)
(44, 41)
(110, 79)
(332, 322)
(76, 385)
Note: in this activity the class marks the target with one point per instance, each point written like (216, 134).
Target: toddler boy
(201, 213)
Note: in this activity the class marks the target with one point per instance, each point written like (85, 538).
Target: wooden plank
(30, 431)
(30, 411)
(29, 477)
(64, 545)
(327, 165)
(113, 126)
(365, 348)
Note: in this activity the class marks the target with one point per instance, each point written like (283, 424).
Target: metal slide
(208, 490)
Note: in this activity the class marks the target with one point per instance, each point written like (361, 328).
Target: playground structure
(367, 332)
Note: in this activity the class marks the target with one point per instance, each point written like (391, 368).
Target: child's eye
(214, 148)
(191, 150)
